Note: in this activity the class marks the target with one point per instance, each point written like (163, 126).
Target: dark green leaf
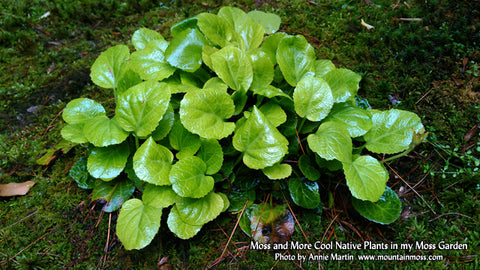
(385, 211)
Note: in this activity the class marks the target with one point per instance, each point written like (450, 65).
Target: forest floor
(421, 56)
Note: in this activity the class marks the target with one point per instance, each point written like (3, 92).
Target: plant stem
(399, 155)
(299, 129)
(137, 144)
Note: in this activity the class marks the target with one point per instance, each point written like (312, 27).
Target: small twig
(25, 248)
(234, 229)
(29, 215)
(403, 180)
(459, 214)
(420, 99)
(296, 220)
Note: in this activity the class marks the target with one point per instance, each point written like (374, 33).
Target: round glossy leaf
(188, 178)
(212, 154)
(260, 142)
(249, 33)
(308, 168)
(356, 120)
(150, 63)
(322, 67)
(102, 131)
(143, 36)
(140, 108)
(274, 113)
(385, 211)
(238, 198)
(159, 197)
(392, 131)
(295, 57)
(80, 110)
(186, 143)
(304, 193)
(200, 211)
(270, 92)
(152, 163)
(312, 98)
(366, 178)
(108, 162)
(278, 171)
(233, 66)
(331, 141)
(79, 173)
(185, 50)
(270, 45)
(129, 79)
(344, 84)
(74, 133)
(165, 125)
(269, 21)
(110, 66)
(113, 193)
(262, 68)
(226, 202)
(215, 29)
(215, 83)
(182, 25)
(137, 224)
(181, 229)
(204, 113)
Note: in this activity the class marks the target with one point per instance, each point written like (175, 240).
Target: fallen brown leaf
(15, 189)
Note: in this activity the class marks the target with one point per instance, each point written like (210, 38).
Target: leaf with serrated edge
(269, 21)
(102, 131)
(185, 142)
(108, 162)
(215, 28)
(140, 108)
(366, 178)
(80, 110)
(204, 113)
(385, 211)
(331, 141)
(274, 113)
(392, 131)
(185, 50)
(200, 211)
(188, 178)
(260, 142)
(137, 224)
(150, 63)
(344, 84)
(143, 36)
(179, 227)
(233, 66)
(212, 154)
(278, 171)
(295, 57)
(356, 120)
(312, 98)
(110, 66)
(152, 163)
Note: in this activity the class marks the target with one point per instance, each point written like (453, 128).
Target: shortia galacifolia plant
(229, 104)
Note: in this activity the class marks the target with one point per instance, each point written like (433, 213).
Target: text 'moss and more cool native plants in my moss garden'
(228, 105)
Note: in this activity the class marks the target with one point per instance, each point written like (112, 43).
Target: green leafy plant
(227, 106)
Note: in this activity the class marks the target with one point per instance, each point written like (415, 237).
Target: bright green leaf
(215, 83)
(182, 25)
(270, 45)
(143, 36)
(304, 193)
(74, 133)
(113, 193)
(137, 224)
(152, 163)
(80, 110)
(331, 141)
(270, 92)
(261, 144)
(278, 171)
(269, 21)
(392, 131)
(215, 28)
(102, 131)
(204, 113)
(274, 113)
(356, 120)
(159, 197)
(344, 84)
(108, 162)
(181, 229)
(140, 108)
(188, 178)
(165, 125)
(296, 57)
(130, 78)
(233, 66)
(322, 67)
(212, 154)
(249, 33)
(186, 143)
(385, 211)
(110, 66)
(185, 50)
(262, 69)
(226, 202)
(366, 178)
(312, 98)
(200, 211)
(150, 63)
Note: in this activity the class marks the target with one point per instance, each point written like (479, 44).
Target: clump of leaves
(228, 96)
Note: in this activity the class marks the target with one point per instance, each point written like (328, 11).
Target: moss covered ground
(421, 56)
